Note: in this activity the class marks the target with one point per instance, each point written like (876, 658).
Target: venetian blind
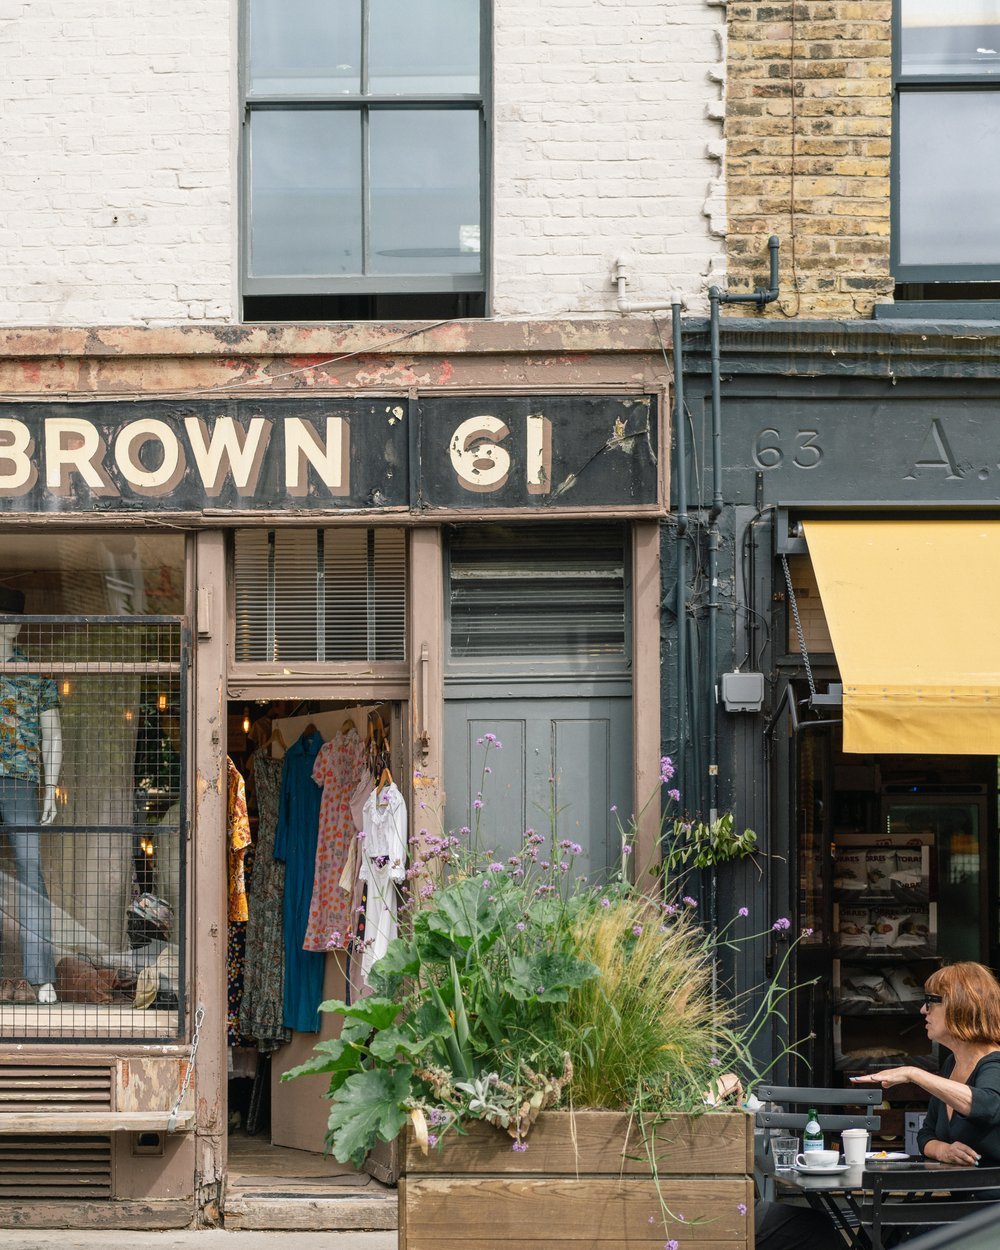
(538, 590)
(334, 594)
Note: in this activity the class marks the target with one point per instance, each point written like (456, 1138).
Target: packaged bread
(867, 985)
(850, 873)
(908, 878)
(880, 864)
(854, 926)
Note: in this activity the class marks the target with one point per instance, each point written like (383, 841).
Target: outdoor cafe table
(839, 1195)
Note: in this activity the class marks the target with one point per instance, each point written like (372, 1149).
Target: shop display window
(93, 663)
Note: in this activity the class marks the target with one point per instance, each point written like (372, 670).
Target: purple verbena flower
(520, 1146)
(744, 911)
(496, 867)
(605, 902)
(782, 925)
(637, 930)
(675, 795)
(688, 901)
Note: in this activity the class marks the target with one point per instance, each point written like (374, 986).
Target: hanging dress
(295, 846)
(339, 767)
(238, 845)
(383, 863)
(262, 1005)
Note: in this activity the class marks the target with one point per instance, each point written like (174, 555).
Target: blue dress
(295, 844)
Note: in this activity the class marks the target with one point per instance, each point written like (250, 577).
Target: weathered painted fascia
(878, 349)
(406, 338)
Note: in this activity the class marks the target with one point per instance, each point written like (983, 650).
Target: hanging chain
(199, 1018)
(798, 625)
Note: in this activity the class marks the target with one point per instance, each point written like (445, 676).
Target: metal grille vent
(39, 1166)
(53, 1088)
(53, 1166)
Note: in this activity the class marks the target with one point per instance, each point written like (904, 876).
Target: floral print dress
(339, 767)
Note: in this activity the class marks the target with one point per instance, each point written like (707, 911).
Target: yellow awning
(914, 613)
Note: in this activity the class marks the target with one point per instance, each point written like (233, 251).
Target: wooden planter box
(584, 1181)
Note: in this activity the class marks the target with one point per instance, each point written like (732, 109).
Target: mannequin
(30, 762)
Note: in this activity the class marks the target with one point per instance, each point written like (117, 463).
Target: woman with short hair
(961, 1011)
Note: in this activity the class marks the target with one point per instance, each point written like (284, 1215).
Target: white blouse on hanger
(383, 863)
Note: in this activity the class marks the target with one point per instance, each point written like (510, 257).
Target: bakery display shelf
(870, 954)
(883, 898)
(861, 1007)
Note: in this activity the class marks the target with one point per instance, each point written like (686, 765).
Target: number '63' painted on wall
(770, 449)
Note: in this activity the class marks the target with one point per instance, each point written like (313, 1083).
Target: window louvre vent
(43, 1166)
(547, 590)
(48, 1167)
(327, 595)
(54, 1088)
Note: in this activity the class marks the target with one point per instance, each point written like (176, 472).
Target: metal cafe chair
(805, 1097)
(902, 1197)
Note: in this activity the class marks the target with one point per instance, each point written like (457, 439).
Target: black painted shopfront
(860, 466)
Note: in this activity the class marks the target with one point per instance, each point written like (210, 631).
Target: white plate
(886, 1156)
(814, 1170)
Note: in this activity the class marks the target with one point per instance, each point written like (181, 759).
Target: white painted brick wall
(603, 121)
(116, 161)
(118, 168)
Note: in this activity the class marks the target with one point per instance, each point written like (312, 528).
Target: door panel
(563, 764)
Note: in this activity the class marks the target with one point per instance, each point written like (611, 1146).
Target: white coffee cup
(818, 1159)
(855, 1143)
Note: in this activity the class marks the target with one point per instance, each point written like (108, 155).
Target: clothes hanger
(347, 726)
(385, 779)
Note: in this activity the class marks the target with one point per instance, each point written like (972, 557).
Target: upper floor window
(946, 127)
(364, 157)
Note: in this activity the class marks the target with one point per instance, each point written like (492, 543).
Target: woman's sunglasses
(931, 999)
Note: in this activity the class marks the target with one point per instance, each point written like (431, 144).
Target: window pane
(305, 192)
(949, 39)
(419, 48)
(300, 47)
(424, 191)
(949, 178)
(81, 574)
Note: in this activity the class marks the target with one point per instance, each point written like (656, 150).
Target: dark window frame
(910, 83)
(363, 104)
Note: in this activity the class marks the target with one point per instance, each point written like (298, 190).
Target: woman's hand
(886, 1078)
(956, 1152)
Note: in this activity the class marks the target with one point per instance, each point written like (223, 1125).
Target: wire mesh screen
(92, 750)
(334, 595)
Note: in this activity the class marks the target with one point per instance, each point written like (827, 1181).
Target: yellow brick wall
(808, 121)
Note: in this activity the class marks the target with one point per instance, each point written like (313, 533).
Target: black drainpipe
(717, 297)
(680, 434)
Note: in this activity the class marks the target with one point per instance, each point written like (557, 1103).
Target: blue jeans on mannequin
(19, 806)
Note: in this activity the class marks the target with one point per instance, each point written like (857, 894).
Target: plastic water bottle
(812, 1138)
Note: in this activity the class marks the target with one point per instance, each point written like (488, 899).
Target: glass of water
(784, 1150)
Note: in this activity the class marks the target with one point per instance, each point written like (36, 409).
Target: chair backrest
(905, 1197)
(806, 1097)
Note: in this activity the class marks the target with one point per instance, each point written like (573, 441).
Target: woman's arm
(956, 1094)
(956, 1152)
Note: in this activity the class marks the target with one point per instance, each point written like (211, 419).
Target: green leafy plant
(511, 989)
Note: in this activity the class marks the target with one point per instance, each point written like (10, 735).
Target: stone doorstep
(350, 1211)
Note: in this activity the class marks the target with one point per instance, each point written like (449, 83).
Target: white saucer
(814, 1170)
(886, 1156)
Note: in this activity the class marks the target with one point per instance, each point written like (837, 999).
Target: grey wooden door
(565, 763)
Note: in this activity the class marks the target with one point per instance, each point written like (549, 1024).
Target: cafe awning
(913, 609)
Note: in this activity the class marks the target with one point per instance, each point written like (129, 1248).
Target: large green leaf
(391, 1042)
(547, 976)
(400, 960)
(338, 1057)
(465, 913)
(375, 1012)
(367, 1108)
